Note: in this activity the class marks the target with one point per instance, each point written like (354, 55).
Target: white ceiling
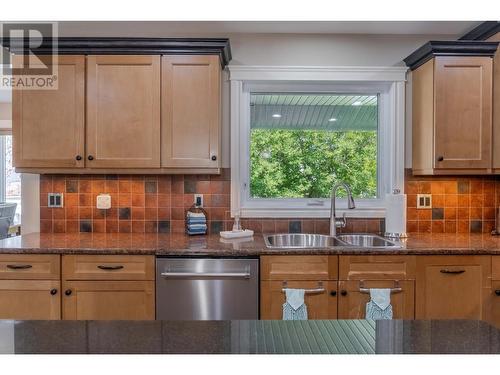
(219, 28)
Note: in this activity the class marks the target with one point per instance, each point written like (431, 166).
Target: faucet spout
(334, 221)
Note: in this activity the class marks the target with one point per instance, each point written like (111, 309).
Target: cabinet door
(108, 300)
(30, 299)
(123, 111)
(453, 287)
(463, 112)
(191, 111)
(352, 303)
(48, 125)
(321, 305)
(495, 304)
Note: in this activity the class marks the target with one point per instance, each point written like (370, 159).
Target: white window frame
(388, 82)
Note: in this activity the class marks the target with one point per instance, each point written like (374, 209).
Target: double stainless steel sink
(319, 241)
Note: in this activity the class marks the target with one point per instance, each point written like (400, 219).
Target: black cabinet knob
(53, 292)
(440, 158)
(78, 157)
(90, 157)
(214, 158)
(68, 292)
(333, 293)
(343, 292)
(497, 292)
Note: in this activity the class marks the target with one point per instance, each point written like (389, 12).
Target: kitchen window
(292, 139)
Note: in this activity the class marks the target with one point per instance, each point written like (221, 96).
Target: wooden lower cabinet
(320, 305)
(30, 299)
(352, 303)
(108, 300)
(495, 304)
(453, 287)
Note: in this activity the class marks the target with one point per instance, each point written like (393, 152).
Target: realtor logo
(28, 55)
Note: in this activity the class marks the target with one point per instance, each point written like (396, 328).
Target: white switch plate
(200, 196)
(424, 201)
(103, 201)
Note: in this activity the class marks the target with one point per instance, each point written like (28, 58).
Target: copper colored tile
(43, 200)
(424, 226)
(424, 187)
(463, 226)
(255, 225)
(164, 214)
(151, 226)
(437, 187)
(220, 200)
(488, 213)
(98, 226)
(219, 214)
(412, 187)
(424, 214)
(450, 213)
(163, 200)
(438, 200)
(151, 214)
(85, 213)
(488, 226)
(111, 186)
(411, 200)
(269, 225)
(177, 226)
(476, 200)
(489, 200)
(151, 201)
(59, 226)
(164, 184)
(111, 226)
(178, 213)
(281, 226)
(451, 200)
(321, 226)
(476, 186)
(124, 200)
(373, 226)
(112, 213)
(85, 186)
(58, 185)
(124, 186)
(85, 199)
(137, 186)
(476, 213)
(463, 200)
(46, 213)
(71, 200)
(72, 213)
(463, 213)
(124, 226)
(489, 187)
(207, 200)
(411, 214)
(177, 200)
(46, 186)
(138, 200)
(138, 226)
(46, 226)
(307, 226)
(202, 187)
(58, 214)
(138, 213)
(177, 184)
(450, 187)
(98, 186)
(189, 200)
(412, 226)
(72, 226)
(450, 226)
(437, 226)
(98, 213)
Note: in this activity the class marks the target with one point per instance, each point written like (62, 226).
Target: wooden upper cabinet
(453, 287)
(191, 111)
(496, 105)
(452, 115)
(123, 111)
(48, 125)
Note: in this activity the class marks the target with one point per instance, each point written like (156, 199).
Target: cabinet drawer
(298, 267)
(320, 305)
(376, 267)
(108, 267)
(495, 267)
(29, 267)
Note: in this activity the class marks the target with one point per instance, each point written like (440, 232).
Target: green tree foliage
(305, 163)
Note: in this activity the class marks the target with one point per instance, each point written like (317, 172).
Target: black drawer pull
(68, 292)
(333, 293)
(19, 266)
(90, 157)
(456, 272)
(440, 158)
(110, 268)
(78, 157)
(497, 292)
(53, 292)
(343, 292)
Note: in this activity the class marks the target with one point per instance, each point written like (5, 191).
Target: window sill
(309, 213)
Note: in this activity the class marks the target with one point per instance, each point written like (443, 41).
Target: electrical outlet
(103, 201)
(424, 201)
(198, 200)
(55, 200)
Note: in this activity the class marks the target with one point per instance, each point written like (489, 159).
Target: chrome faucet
(334, 221)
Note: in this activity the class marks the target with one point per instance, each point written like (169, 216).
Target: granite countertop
(212, 245)
(249, 337)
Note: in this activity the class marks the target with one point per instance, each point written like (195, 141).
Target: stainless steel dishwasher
(207, 289)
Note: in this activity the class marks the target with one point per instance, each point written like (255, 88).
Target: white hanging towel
(294, 307)
(379, 307)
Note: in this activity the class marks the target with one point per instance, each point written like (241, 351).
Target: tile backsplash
(157, 204)
(460, 204)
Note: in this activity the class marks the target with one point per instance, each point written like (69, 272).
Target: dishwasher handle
(206, 275)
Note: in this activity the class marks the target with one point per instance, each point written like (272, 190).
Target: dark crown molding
(133, 46)
(483, 31)
(449, 48)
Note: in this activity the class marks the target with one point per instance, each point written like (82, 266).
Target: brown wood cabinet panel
(30, 299)
(321, 305)
(108, 300)
(495, 304)
(377, 267)
(191, 118)
(48, 126)
(108, 267)
(29, 266)
(123, 111)
(453, 287)
(496, 104)
(352, 303)
(463, 112)
(297, 267)
(495, 268)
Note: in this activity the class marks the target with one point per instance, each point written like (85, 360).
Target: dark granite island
(249, 337)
